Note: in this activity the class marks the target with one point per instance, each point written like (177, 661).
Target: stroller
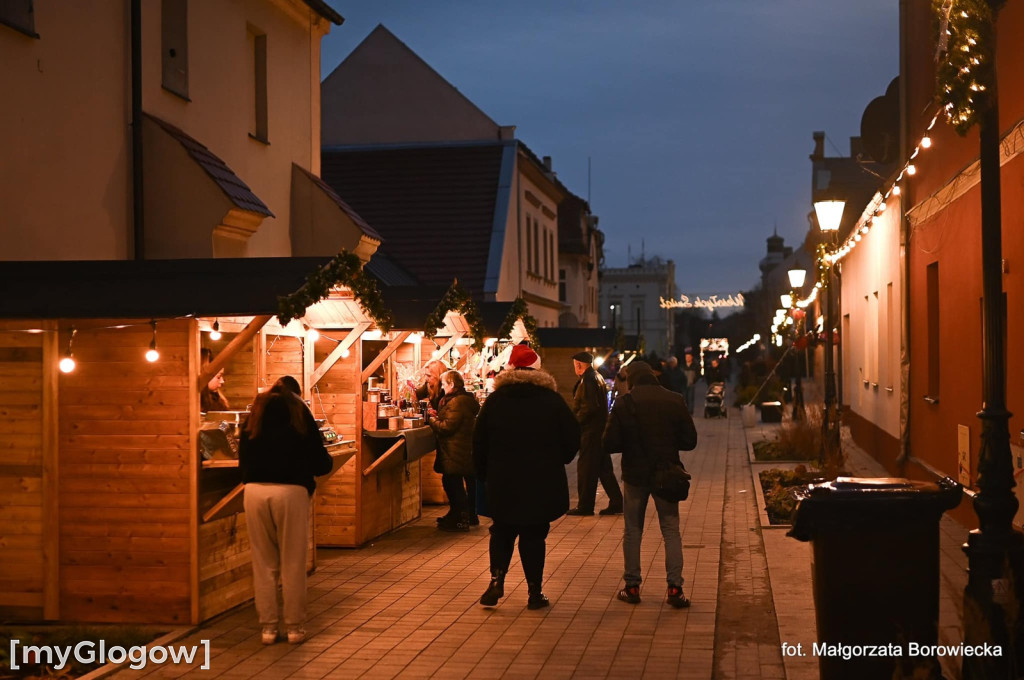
(714, 401)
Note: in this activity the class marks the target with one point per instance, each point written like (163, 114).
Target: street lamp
(829, 214)
(796, 282)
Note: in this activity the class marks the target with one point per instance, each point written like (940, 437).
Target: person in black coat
(650, 425)
(590, 406)
(525, 436)
(453, 428)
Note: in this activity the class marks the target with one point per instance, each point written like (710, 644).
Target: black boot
(453, 522)
(537, 599)
(496, 590)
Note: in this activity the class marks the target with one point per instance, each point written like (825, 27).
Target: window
(174, 46)
(551, 253)
(547, 275)
(932, 288)
(529, 246)
(892, 340)
(258, 64)
(561, 285)
(536, 247)
(19, 15)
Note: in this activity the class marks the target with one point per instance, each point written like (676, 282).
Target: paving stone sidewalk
(406, 605)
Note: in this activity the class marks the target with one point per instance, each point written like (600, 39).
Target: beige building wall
(65, 189)
(67, 140)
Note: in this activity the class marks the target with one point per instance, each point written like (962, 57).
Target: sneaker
(676, 597)
(579, 511)
(617, 510)
(268, 635)
(630, 594)
(296, 635)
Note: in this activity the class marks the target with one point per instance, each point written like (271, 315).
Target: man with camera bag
(650, 426)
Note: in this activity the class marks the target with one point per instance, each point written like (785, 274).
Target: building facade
(630, 300)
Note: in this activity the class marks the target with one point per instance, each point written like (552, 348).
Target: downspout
(904, 453)
(138, 231)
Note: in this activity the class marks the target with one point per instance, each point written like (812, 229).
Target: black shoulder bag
(671, 480)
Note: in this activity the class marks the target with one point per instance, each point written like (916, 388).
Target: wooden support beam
(221, 360)
(382, 357)
(51, 486)
(448, 345)
(194, 366)
(385, 457)
(335, 354)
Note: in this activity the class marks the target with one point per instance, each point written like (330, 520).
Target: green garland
(456, 298)
(520, 310)
(347, 269)
(965, 76)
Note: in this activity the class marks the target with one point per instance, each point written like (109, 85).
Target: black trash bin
(876, 573)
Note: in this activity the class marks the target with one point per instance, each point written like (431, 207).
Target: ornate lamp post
(796, 282)
(829, 214)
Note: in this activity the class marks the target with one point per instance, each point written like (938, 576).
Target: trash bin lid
(859, 503)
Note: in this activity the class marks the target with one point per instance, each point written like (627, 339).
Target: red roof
(433, 205)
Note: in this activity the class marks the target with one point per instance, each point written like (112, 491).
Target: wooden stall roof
(150, 288)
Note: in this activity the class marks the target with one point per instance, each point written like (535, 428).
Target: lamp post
(995, 551)
(796, 283)
(829, 214)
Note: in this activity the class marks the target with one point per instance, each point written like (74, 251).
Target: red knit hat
(523, 357)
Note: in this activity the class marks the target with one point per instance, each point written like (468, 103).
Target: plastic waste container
(875, 568)
(749, 415)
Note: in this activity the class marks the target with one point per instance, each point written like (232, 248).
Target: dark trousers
(595, 465)
(532, 545)
(461, 493)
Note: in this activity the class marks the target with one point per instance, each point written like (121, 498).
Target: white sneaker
(269, 635)
(296, 635)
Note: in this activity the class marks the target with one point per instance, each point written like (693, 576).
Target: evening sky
(697, 115)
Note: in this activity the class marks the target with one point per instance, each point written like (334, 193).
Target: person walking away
(691, 372)
(590, 406)
(280, 452)
(649, 426)
(676, 378)
(525, 435)
(453, 428)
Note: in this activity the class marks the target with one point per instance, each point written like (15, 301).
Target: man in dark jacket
(525, 435)
(650, 426)
(590, 406)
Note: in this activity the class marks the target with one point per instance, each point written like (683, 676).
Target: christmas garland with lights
(345, 269)
(519, 310)
(457, 299)
(964, 77)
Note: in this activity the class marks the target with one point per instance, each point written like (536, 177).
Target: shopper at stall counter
(280, 452)
(453, 428)
(525, 436)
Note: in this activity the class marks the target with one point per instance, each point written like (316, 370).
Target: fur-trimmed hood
(534, 376)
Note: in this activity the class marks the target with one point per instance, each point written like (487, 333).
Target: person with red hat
(525, 435)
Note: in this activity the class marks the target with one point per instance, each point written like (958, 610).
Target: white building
(630, 299)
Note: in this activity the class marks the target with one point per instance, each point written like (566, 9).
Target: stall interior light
(215, 333)
(67, 363)
(311, 333)
(375, 334)
(345, 353)
(152, 354)
(598, 361)
(489, 342)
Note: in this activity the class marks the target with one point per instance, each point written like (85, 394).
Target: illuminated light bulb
(881, 207)
(152, 355)
(345, 353)
(435, 354)
(215, 334)
(864, 230)
(313, 334)
(598, 361)
(817, 284)
(857, 237)
(489, 342)
(67, 364)
(911, 170)
(896, 191)
(926, 142)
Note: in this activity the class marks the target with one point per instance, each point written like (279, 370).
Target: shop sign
(712, 302)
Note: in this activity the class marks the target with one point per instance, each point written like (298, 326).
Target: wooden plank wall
(338, 397)
(284, 357)
(21, 476)
(225, 568)
(240, 379)
(125, 454)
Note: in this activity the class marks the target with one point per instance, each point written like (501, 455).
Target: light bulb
(313, 334)
(911, 170)
(152, 355)
(345, 353)
(67, 364)
(881, 207)
(926, 142)
(896, 190)
(215, 333)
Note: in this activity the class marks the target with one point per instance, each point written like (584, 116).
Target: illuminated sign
(712, 302)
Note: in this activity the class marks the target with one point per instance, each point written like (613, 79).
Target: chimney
(547, 163)
(819, 146)
(507, 132)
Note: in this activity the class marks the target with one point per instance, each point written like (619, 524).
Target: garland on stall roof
(345, 269)
(964, 77)
(457, 299)
(519, 310)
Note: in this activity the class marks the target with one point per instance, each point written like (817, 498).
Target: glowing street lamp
(830, 215)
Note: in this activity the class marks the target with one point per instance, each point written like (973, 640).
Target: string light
(152, 354)
(67, 363)
(215, 333)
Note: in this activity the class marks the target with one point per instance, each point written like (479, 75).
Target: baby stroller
(714, 401)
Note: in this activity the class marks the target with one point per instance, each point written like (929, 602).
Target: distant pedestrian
(280, 451)
(676, 377)
(714, 373)
(691, 371)
(649, 426)
(525, 436)
(453, 427)
(590, 406)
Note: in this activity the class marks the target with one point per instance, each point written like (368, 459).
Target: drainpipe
(905, 410)
(138, 231)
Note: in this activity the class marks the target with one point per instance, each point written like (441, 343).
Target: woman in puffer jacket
(453, 427)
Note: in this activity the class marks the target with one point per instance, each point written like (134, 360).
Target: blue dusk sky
(696, 115)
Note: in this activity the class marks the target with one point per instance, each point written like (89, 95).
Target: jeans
(278, 519)
(634, 510)
(532, 546)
